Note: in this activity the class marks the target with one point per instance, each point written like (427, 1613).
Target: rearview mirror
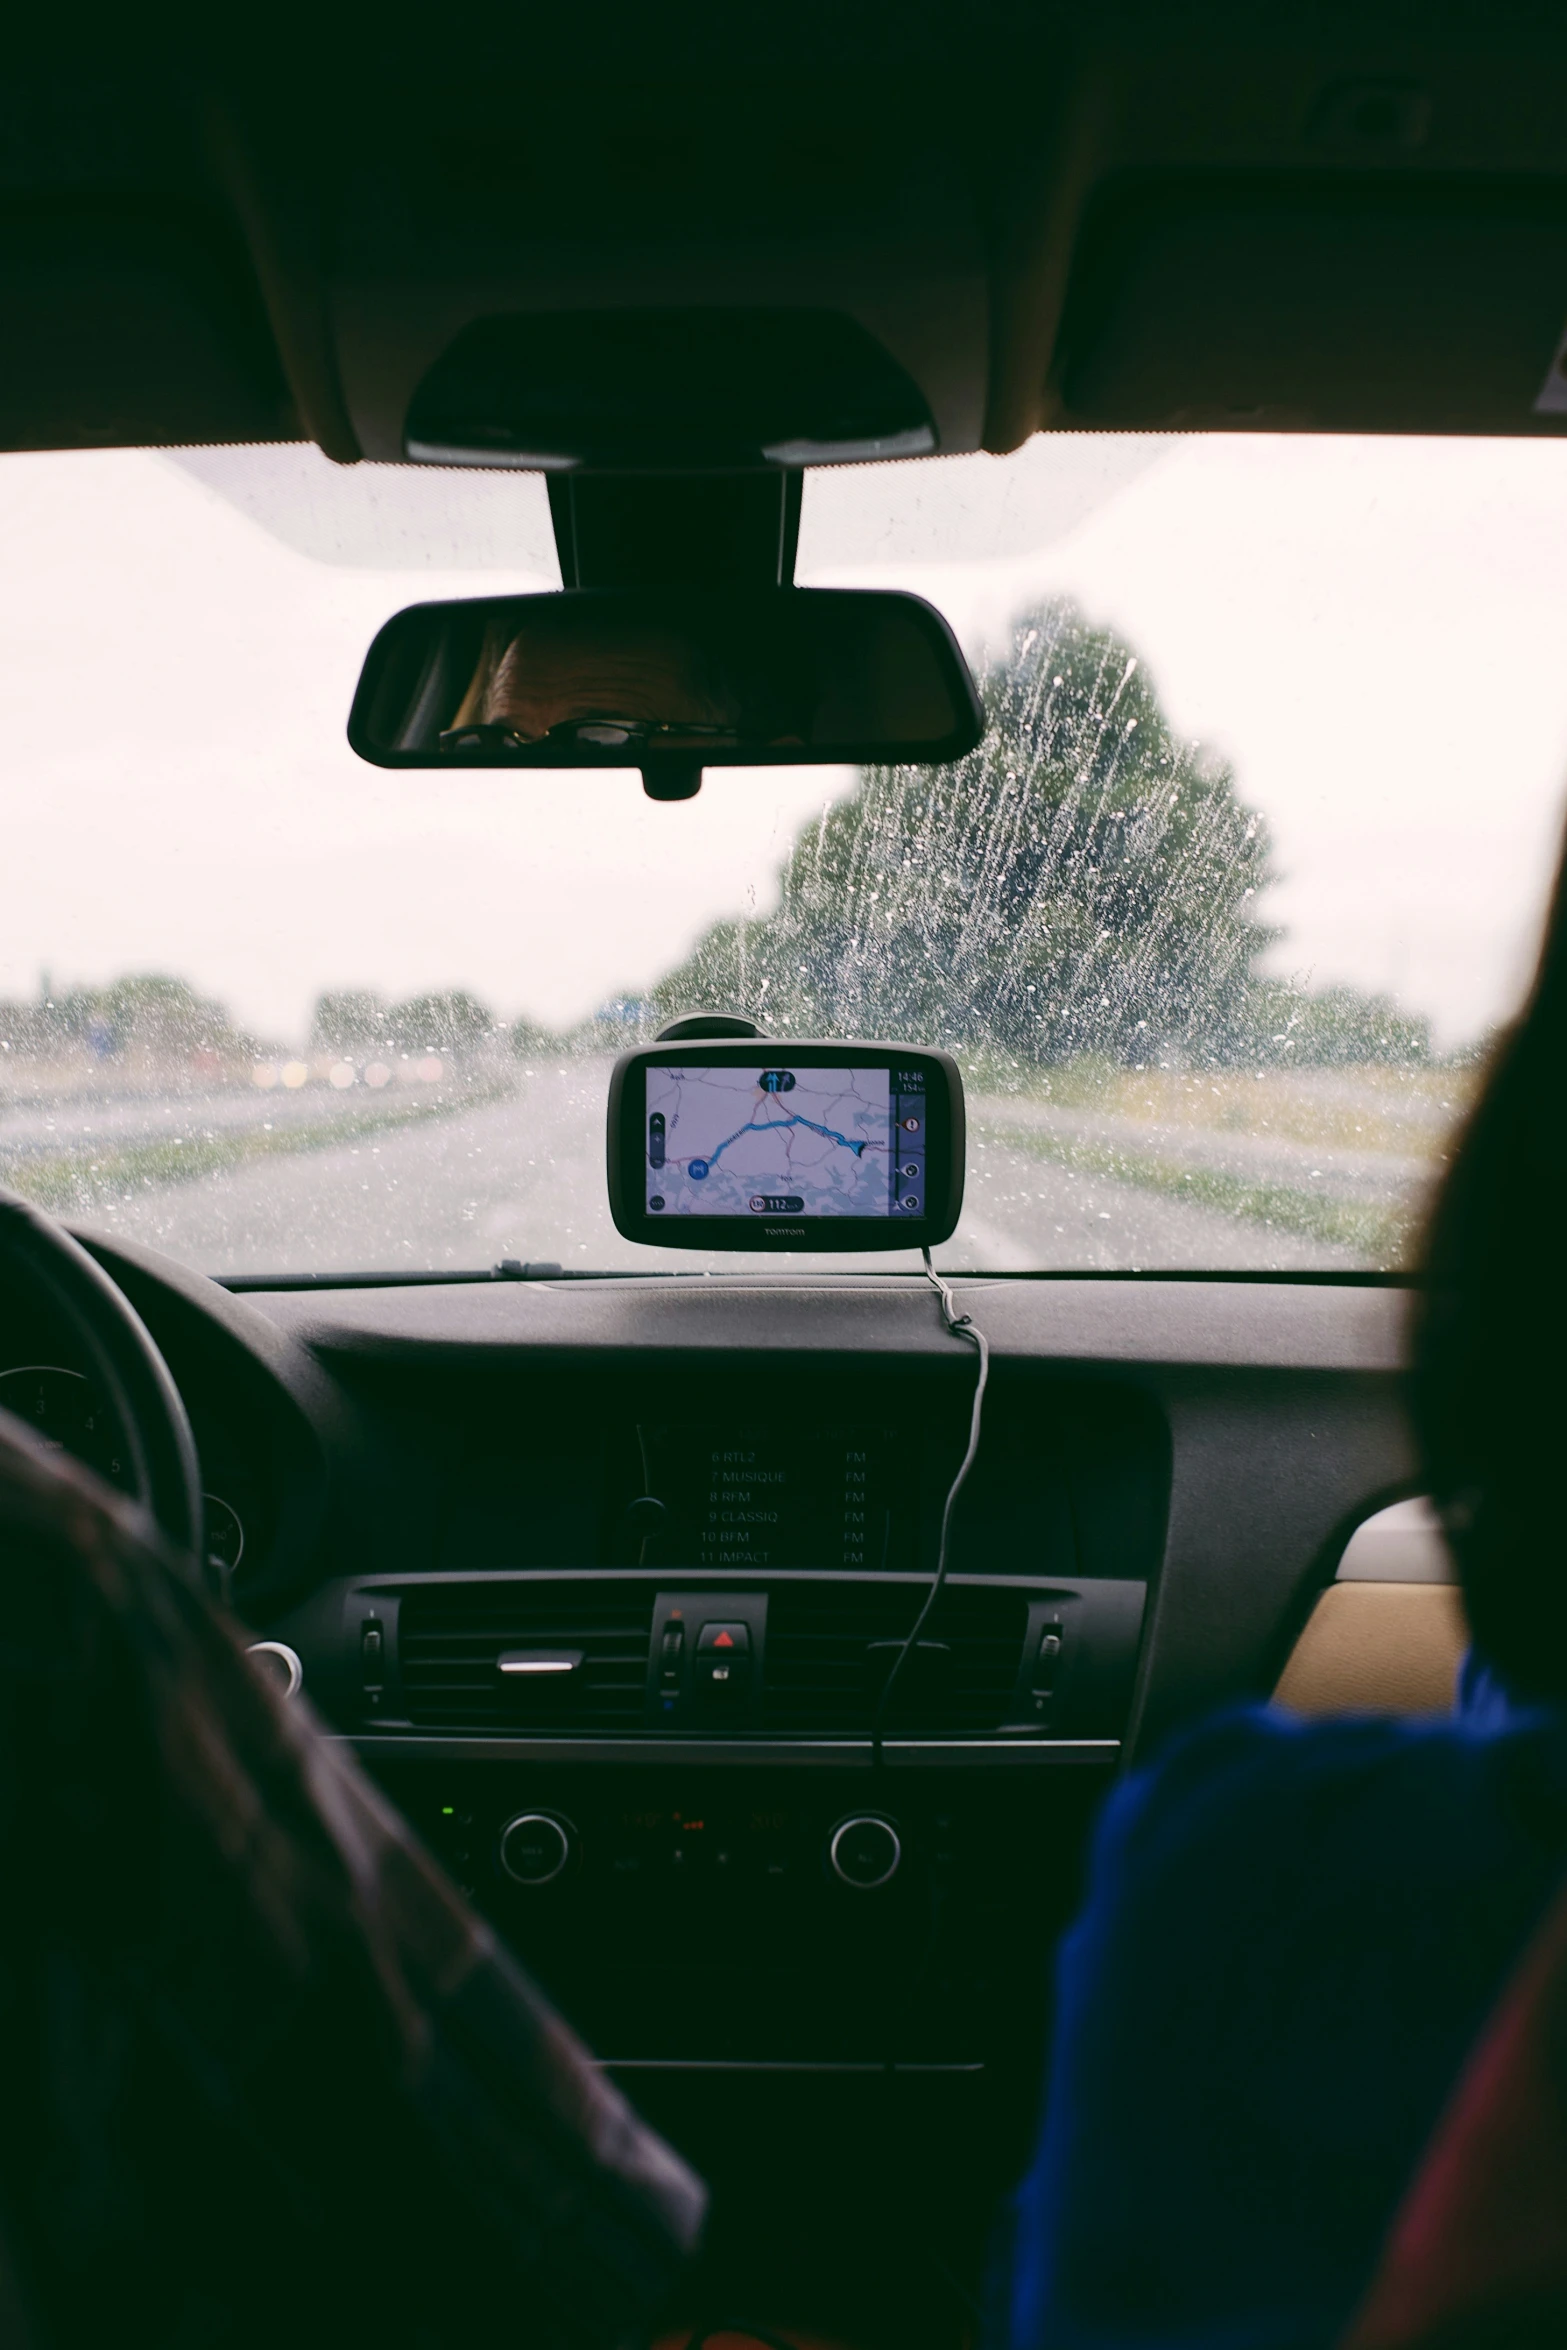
(667, 681)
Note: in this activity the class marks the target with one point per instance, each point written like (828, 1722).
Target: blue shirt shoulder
(1292, 1933)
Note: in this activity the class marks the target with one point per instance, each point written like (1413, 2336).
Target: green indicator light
(448, 1811)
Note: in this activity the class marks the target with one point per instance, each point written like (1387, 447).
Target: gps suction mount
(708, 1024)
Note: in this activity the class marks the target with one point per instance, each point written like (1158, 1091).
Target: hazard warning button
(722, 1667)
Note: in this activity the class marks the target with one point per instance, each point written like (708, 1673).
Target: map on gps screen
(783, 1141)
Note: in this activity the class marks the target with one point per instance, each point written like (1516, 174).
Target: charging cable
(961, 1326)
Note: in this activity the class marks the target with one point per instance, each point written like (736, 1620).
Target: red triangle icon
(724, 1640)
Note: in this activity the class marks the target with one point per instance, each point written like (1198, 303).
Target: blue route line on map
(771, 1126)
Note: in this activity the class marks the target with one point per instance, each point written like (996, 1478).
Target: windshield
(1217, 920)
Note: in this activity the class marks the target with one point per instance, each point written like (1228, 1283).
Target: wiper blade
(509, 1269)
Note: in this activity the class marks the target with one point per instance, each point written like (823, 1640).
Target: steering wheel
(38, 1256)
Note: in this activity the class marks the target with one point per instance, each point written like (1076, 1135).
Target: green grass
(1088, 1082)
(79, 1179)
(1378, 1235)
(1364, 1106)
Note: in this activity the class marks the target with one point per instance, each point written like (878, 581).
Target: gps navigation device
(759, 1144)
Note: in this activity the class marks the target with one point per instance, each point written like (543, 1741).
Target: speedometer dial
(68, 1413)
(225, 1533)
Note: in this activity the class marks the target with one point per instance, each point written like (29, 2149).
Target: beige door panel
(1385, 1648)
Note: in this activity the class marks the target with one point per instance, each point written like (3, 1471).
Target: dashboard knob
(536, 1846)
(865, 1852)
(279, 1664)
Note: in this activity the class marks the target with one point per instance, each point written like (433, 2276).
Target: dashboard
(602, 1579)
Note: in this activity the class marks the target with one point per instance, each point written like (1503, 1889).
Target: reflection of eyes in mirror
(669, 681)
(630, 682)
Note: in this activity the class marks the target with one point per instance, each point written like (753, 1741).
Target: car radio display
(750, 1498)
(785, 1140)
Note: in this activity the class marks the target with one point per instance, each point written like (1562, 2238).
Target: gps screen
(787, 1139)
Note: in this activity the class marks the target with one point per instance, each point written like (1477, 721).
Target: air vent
(454, 1637)
(830, 1647)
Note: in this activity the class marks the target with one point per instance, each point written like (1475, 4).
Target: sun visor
(131, 322)
(1353, 303)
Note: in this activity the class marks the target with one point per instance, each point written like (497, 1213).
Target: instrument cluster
(65, 1409)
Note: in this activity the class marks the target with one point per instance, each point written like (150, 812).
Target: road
(76, 1123)
(524, 1177)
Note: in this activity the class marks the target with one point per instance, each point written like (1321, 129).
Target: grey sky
(1372, 630)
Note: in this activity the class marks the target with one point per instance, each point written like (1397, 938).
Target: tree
(145, 1012)
(530, 1036)
(1084, 882)
(165, 1015)
(349, 1020)
(450, 1021)
(1338, 1027)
